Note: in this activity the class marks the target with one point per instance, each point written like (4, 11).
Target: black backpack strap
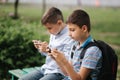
(72, 52)
(83, 53)
(85, 48)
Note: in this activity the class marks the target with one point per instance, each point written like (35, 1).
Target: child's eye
(72, 30)
(49, 28)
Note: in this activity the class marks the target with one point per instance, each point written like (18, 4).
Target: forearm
(65, 65)
(70, 71)
(63, 69)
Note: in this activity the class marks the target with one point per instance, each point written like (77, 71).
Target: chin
(73, 38)
(54, 34)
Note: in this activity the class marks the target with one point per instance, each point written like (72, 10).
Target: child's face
(76, 32)
(53, 28)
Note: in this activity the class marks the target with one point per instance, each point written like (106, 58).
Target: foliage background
(17, 49)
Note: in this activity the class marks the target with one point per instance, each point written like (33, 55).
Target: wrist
(64, 61)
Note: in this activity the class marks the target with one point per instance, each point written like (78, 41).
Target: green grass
(104, 21)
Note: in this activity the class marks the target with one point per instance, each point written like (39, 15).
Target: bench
(17, 73)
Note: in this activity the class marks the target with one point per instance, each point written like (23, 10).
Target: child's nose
(70, 34)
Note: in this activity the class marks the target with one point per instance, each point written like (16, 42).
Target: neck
(84, 39)
(63, 25)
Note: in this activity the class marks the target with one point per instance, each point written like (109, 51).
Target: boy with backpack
(89, 59)
(59, 38)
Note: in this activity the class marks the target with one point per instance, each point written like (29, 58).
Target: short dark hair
(80, 18)
(52, 16)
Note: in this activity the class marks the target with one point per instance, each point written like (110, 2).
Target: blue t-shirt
(92, 58)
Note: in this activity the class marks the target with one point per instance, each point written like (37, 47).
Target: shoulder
(93, 51)
(92, 57)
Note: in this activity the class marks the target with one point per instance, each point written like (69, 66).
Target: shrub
(16, 47)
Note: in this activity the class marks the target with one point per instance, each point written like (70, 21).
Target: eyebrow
(49, 27)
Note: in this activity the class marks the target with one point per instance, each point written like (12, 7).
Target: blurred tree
(15, 14)
(16, 8)
(16, 3)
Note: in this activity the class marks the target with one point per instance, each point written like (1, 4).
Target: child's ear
(59, 22)
(84, 28)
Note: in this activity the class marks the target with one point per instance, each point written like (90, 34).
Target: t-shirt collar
(64, 30)
(89, 39)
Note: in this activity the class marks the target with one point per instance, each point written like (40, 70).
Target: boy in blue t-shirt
(76, 68)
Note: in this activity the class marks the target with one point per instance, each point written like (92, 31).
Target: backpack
(109, 60)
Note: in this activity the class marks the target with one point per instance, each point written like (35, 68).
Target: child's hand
(58, 56)
(43, 47)
(36, 43)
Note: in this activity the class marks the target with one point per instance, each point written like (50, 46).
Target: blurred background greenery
(16, 35)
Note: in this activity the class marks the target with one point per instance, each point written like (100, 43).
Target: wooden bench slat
(20, 72)
(17, 72)
(37, 68)
(28, 69)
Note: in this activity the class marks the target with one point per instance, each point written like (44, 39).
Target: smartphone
(49, 49)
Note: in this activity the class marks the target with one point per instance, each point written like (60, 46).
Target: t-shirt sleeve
(91, 58)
